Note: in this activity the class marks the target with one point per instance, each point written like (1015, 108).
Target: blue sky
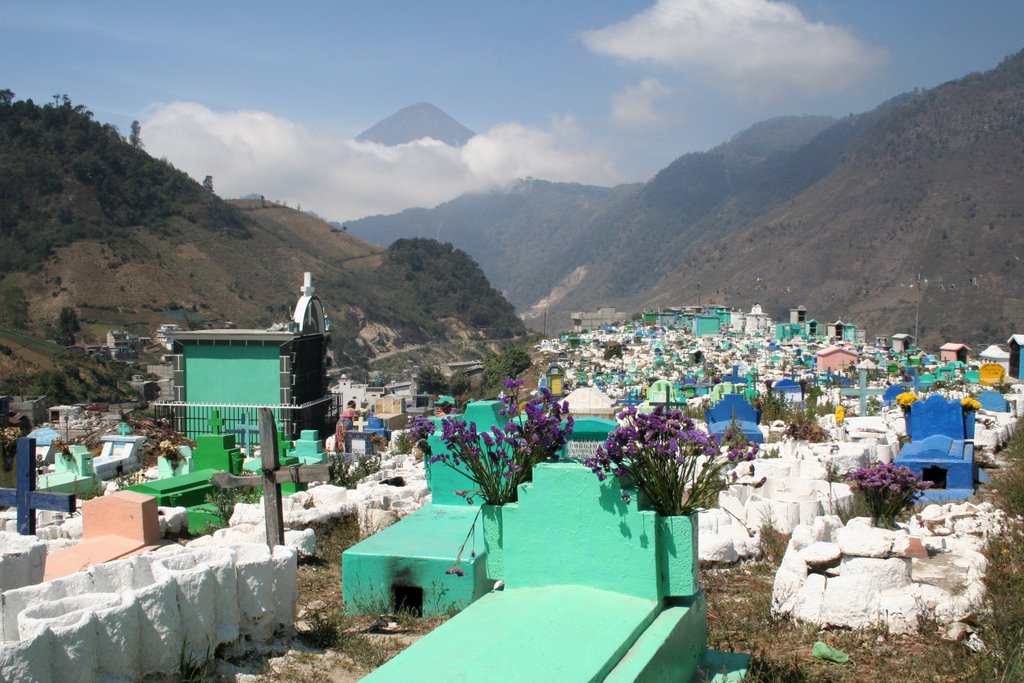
(267, 97)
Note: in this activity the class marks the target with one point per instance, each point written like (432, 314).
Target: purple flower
(454, 571)
(676, 466)
(501, 459)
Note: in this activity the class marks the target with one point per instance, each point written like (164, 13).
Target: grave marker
(990, 374)
(273, 476)
(862, 391)
(25, 498)
(244, 429)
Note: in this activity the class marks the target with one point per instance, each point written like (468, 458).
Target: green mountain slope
(89, 222)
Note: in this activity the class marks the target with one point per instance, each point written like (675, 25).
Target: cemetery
(106, 552)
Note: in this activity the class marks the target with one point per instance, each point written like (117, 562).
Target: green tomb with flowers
(404, 564)
(213, 453)
(596, 589)
(72, 473)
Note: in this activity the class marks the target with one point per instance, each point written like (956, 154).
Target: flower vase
(969, 421)
(494, 540)
(678, 560)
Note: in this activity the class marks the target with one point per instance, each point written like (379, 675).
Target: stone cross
(216, 422)
(915, 376)
(273, 476)
(360, 423)
(245, 429)
(862, 391)
(123, 429)
(25, 498)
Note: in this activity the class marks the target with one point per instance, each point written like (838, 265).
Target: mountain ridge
(840, 217)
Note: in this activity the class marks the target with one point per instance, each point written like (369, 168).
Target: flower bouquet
(502, 458)
(905, 400)
(676, 468)
(970, 404)
(168, 450)
(888, 489)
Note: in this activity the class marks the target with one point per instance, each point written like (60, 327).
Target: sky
(268, 97)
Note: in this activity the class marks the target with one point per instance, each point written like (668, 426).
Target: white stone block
(865, 542)
(850, 602)
(22, 560)
(716, 548)
(880, 573)
(810, 603)
(820, 554)
(899, 610)
(196, 593)
(302, 540)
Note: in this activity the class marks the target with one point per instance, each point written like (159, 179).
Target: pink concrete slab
(124, 513)
(93, 551)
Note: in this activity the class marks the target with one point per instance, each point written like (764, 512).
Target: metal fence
(193, 419)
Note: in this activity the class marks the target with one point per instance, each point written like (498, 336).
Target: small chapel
(238, 371)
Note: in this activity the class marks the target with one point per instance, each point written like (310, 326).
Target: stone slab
(562, 633)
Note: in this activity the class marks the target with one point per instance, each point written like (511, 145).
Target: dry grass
(740, 619)
(336, 646)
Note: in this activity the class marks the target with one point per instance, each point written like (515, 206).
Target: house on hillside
(902, 342)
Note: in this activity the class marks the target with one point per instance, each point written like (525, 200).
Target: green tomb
(596, 589)
(404, 564)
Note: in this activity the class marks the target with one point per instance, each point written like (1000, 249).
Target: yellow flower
(969, 404)
(906, 399)
(840, 415)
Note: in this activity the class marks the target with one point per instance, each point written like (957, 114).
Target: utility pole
(917, 310)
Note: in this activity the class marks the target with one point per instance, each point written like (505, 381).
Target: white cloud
(635, 105)
(754, 46)
(342, 179)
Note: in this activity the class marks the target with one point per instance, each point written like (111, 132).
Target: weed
(773, 541)
(349, 472)
(403, 443)
(224, 500)
(193, 669)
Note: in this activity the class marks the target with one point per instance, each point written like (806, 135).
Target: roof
(1017, 339)
(234, 335)
(953, 346)
(995, 351)
(902, 335)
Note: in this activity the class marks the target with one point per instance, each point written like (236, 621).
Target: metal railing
(193, 419)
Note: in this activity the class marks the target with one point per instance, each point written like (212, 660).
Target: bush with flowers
(502, 458)
(676, 468)
(888, 489)
(8, 445)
